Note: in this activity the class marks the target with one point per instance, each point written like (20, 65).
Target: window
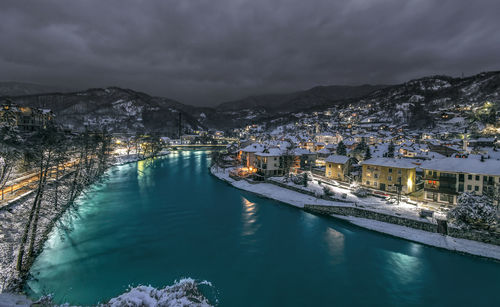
(469, 187)
(461, 187)
(367, 182)
(461, 177)
(375, 184)
(476, 188)
(399, 171)
(390, 170)
(376, 176)
(389, 178)
(469, 177)
(477, 177)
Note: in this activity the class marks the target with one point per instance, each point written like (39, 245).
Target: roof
(271, 152)
(323, 151)
(255, 147)
(337, 159)
(464, 165)
(302, 151)
(390, 162)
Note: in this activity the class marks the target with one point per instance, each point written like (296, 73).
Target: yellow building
(387, 174)
(337, 167)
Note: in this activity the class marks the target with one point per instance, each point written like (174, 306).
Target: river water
(155, 222)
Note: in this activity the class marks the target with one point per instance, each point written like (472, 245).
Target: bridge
(196, 145)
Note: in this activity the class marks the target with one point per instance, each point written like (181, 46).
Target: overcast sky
(206, 51)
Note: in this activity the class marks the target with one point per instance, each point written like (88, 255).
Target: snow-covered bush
(328, 191)
(473, 210)
(184, 293)
(298, 179)
(358, 190)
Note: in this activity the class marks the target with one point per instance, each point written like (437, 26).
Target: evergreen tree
(368, 154)
(473, 210)
(390, 150)
(492, 117)
(341, 149)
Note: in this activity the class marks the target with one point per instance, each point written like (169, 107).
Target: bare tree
(42, 146)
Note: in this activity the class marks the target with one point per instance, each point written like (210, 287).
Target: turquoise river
(158, 221)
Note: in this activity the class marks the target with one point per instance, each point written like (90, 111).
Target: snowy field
(369, 203)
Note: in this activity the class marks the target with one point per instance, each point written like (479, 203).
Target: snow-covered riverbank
(299, 200)
(185, 292)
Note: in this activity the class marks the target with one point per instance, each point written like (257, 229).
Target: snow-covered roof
(301, 151)
(323, 151)
(461, 165)
(255, 147)
(271, 152)
(337, 159)
(390, 162)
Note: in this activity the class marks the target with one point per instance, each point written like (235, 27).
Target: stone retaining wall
(475, 235)
(469, 234)
(367, 214)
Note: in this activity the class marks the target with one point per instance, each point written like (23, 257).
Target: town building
(269, 162)
(445, 179)
(26, 119)
(339, 167)
(388, 174)
(247, 154)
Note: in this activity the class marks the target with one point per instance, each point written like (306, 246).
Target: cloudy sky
(206, 51)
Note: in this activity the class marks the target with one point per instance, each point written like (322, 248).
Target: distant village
(431, 166)
(348, 146)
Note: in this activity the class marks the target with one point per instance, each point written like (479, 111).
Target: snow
(390, 162)
(337, 159)
(428, 238)
(469, 165)
(10, 299)
(185, 292)
(182, 293)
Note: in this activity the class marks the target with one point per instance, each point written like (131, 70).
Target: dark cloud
(207, 51)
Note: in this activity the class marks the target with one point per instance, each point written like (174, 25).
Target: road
(29, 182)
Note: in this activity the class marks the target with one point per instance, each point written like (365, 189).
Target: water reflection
(144, 178)
(406, 268)
(249, 217)
(335, 243)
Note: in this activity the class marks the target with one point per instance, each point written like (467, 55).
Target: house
(304, 159)
(328, 138)
(247, 154)
(269, 162)
(389, 174)
(445, 179)
(26, 119)
(339, 167)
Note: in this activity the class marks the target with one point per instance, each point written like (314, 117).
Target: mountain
(291, 102)
(10, 88)
(113, 108)
(128, 111)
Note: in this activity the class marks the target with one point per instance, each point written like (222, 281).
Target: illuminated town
(249, 153)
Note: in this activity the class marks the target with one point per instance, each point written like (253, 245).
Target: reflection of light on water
(198, 161)
(144, 178)
(335, 243)
(249, 217)
(415, 249)
(309, 220)
(406, 268)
